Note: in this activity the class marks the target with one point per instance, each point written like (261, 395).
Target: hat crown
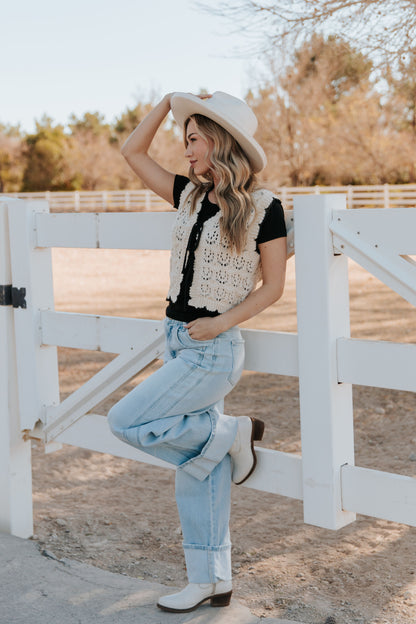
(236, 110)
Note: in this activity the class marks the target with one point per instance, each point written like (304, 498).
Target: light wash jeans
(176, 414)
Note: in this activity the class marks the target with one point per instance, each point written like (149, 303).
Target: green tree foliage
(91, 124)
(46, 153)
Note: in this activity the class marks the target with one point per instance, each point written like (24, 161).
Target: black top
(273, 226)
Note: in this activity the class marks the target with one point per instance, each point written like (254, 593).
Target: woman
(226, 229)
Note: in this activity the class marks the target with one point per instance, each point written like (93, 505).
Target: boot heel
(258, 429)
(222, 600)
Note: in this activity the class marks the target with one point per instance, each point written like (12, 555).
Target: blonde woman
(229, 235)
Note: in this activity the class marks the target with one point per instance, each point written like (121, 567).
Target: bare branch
(386, 29)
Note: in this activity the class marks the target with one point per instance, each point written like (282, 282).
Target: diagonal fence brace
(99, 387)
(394, 270)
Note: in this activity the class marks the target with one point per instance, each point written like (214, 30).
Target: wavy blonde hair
(236, 181)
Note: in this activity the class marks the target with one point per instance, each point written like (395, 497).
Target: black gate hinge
(9, 295)
(6, 295)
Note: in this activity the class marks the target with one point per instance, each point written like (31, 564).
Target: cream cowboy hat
(229, 112)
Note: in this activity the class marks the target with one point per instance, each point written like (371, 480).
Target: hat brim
(183, 105)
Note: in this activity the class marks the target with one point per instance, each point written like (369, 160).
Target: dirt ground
(120, 515)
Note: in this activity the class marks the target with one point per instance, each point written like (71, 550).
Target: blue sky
(61, 58)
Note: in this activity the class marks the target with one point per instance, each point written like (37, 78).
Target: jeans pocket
(237, 350)
(186, 341)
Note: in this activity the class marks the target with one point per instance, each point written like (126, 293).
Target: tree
(335, 65)
(11, 166)
(127, 121)
(384, 28)
(92, 124)
(46, 153)
(299, 109)
(167, 149)
(402, 95)
(93, 160)
(369, 150)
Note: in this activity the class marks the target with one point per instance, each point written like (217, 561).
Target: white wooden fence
(139, 200)
(377, 196)
(322, 354)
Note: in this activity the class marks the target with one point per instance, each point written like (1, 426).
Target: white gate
(322, 354)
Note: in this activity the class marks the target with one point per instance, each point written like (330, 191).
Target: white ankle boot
(195, 594)
(242, 451)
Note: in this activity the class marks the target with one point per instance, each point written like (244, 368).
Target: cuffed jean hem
(224, 431)
(208, 564)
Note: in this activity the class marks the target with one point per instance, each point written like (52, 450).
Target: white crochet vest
(221, 279)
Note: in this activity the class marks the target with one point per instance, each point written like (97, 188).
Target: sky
(60, 58)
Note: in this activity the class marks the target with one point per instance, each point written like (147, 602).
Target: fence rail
(377, 196)
(98, 201)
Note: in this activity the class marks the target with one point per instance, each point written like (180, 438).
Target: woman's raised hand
(167, 98)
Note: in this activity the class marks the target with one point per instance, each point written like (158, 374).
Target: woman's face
(198, 150)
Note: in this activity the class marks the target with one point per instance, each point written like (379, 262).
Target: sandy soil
(120, 515)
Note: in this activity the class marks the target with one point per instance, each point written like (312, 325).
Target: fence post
(386, 195)
(148, 200)
(16, 516)
(323, 317)
(350, 197)
(37, 364)
(104, 201)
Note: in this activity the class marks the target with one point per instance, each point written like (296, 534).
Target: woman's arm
(273, 261)
(136, 147)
